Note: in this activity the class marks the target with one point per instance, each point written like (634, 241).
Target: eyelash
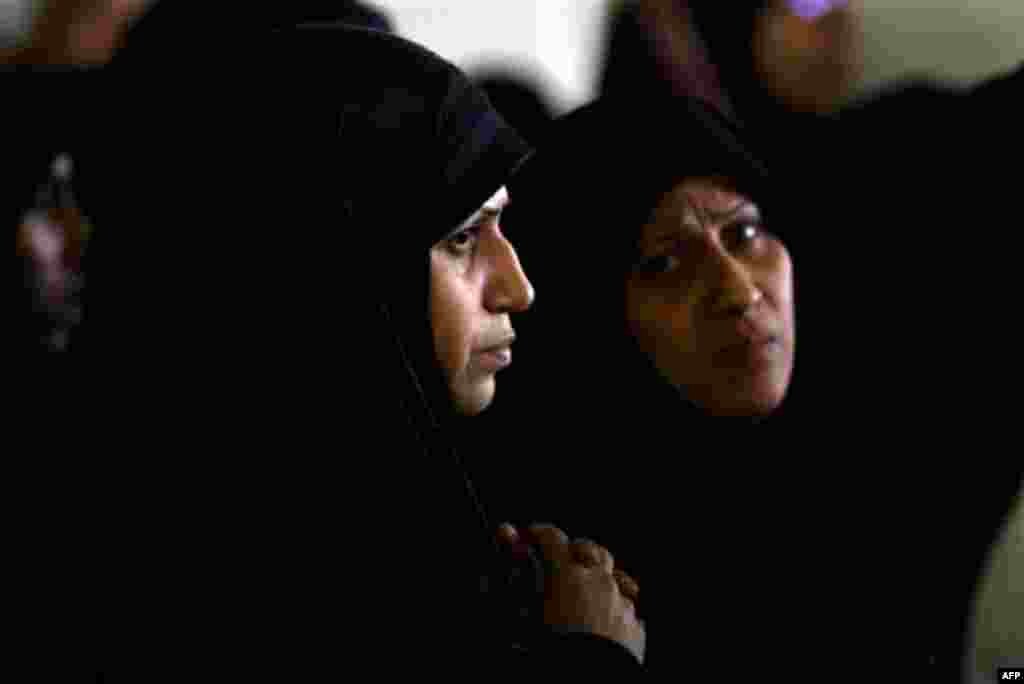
(461, 251)
(652, 264)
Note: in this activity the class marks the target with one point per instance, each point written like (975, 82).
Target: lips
(749, 356)
(751, 346)
(751, 332)
(497, 356)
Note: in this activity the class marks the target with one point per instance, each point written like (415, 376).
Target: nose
(508, 288)
(732, 288)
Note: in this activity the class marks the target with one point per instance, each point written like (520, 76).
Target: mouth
(497, 356)
(752, 353)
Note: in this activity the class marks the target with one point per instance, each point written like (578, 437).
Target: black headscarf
(423, 150)
(261, 275)
(593, 185)
(347, 12)
(519, 100)
(264, 249)
(642, 57)
(726, 34)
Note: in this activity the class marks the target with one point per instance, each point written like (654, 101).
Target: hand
(583, 589)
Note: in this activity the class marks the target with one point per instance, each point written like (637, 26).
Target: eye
(462, 243)
(742, 236)
(663, 263)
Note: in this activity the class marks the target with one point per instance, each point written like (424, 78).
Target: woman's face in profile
(710, 300)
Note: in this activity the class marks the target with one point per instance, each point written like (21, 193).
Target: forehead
(712, 194)
(712, 198)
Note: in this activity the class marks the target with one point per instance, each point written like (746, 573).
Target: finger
(627, 585)
(552, 542)
(592, 554)
(507, 534)
(512, 542)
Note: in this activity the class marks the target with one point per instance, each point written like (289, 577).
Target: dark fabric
(350, 13)
(648, 60)
(910, 158)
(631, 64)
(726, 38)
(521, 102)
(170, 32)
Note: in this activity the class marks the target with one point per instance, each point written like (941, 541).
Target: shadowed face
(710, 300)
(476, 283)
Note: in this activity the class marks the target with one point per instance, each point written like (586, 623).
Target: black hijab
(423, 150)
(177, 33)
(593, 185)
(263, 250)
(726, 35)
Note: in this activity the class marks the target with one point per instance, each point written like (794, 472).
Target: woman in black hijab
(616, 235)
(426, 159)
(692, 467)
(886, 194)
(666, 321)
(261, 288)
(656, 390)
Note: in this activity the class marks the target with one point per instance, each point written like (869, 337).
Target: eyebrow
(725, 216)
(671, 234)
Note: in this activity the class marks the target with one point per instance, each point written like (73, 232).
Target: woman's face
(710, 300)
(476, 283)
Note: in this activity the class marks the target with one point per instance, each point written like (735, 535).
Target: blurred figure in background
(802, 55)
(747, 58)
(81, 32)
(91, 32)
(652, 51)
(521, 102)
(51, 242)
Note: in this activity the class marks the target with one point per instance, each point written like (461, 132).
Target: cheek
(451, 320)
(665, 332)
(778, 285)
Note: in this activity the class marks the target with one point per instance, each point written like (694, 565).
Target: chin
(753, 405)
(472, 401)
